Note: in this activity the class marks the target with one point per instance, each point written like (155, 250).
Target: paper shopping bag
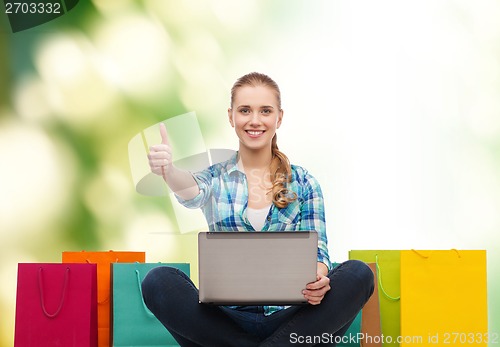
(56, 305)
(387, 263)
(133, 323)
(444, 298)
(103, 261)
(370, 322)
(365, 331)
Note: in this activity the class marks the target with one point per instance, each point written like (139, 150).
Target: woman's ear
(230, 115)
(280, 118)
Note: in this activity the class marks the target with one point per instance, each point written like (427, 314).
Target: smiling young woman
(255, 190)
(256, 114)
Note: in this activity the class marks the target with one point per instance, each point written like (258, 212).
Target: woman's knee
(360, 272)
(158, 280)
(364, 273)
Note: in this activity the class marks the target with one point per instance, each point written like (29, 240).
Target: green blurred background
(394, 106)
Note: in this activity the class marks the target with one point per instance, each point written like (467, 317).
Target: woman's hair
(281, 170)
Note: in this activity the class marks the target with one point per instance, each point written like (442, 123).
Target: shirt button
(268, 218)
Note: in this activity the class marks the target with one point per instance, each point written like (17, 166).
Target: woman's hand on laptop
(315, 291)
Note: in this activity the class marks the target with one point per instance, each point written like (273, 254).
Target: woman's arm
(322, 269)
(313, 218)
(181, 182)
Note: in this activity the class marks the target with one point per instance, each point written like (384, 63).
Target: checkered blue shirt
(223, 199)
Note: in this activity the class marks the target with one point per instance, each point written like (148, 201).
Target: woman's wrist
(322, 268)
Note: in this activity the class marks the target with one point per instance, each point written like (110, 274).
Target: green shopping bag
(388, 277)
(133, 323)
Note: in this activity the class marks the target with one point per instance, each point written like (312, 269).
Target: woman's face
(255, 115)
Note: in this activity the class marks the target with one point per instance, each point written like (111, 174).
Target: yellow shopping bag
(443, 298)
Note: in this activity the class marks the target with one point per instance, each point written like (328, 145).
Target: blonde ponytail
(281, 175)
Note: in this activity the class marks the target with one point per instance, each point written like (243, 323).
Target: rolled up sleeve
(203, 179)
(313, 217)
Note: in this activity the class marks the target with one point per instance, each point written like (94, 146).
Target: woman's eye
(245, 111)
(266, 111)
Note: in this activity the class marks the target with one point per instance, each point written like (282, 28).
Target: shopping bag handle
(100, 302)
(379, 276)
(63, 295)
(142, 298)
(428, 256)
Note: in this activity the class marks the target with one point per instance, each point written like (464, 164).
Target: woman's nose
(255, 118)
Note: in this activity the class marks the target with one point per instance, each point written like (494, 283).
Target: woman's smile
(255, 133)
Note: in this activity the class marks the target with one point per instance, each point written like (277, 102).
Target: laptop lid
(256, 268)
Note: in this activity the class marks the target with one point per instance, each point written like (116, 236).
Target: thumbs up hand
(181, 182)
(160, 156)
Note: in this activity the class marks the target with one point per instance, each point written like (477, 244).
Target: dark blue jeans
(173, 298)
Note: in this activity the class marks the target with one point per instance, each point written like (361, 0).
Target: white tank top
(257, 217)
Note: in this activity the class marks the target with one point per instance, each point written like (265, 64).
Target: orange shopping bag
(371, 327)
(103, 261)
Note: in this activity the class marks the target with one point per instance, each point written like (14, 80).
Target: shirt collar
(232, 164)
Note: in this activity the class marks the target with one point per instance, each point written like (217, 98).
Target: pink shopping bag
(56, 305)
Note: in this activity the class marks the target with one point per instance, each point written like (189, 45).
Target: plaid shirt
(223, 199)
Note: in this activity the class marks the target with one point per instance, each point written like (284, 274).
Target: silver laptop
(256, 268)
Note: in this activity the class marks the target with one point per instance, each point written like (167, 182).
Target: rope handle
(142, 298)
(379, 276)
(90, 262)
(63, 295)
(428, 256)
